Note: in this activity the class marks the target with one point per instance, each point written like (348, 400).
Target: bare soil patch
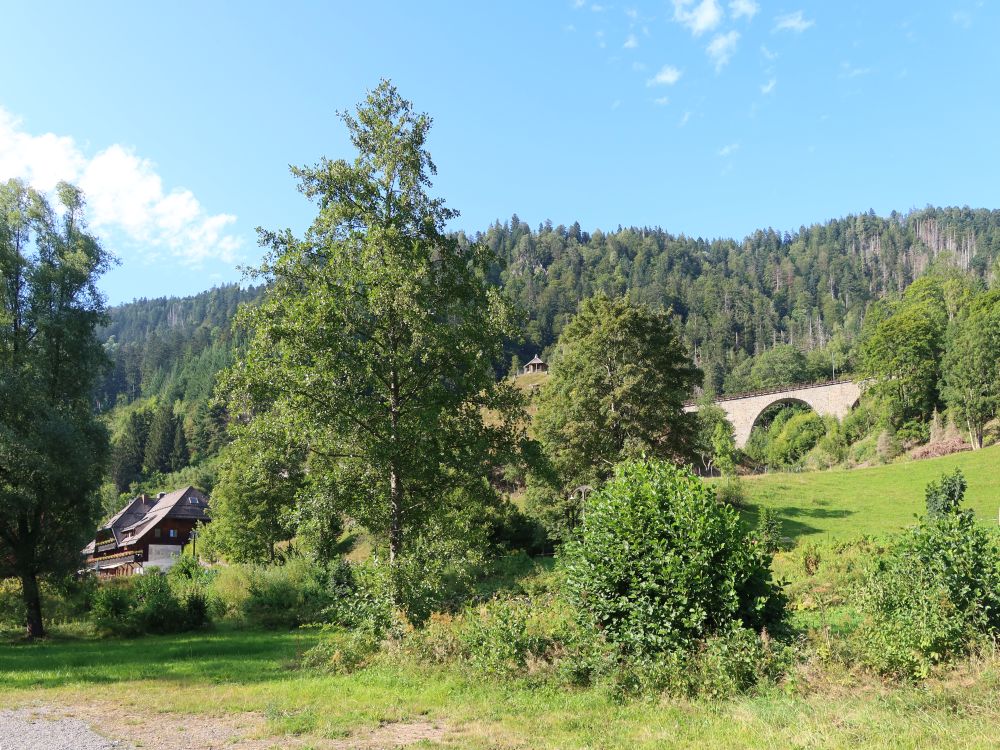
(104, 725)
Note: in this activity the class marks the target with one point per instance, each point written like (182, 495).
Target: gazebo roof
(536, 361)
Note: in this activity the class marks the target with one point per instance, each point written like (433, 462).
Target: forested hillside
(809, 291)
(736, 299)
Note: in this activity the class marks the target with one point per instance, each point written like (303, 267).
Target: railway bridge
(832, 398)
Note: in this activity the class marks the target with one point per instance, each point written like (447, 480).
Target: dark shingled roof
(143, 513)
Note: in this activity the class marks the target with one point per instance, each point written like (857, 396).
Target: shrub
(796, 438)
(112, 608)
(768, 530)
(286, 596)
(505, 637)
(936, 591)
(730, 490)
(661, 564)
(156, 608)
(342, 652)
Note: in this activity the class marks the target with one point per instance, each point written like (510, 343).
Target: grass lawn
(845, 503)
(226, 673)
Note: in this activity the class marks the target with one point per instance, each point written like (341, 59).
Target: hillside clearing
(847, 503)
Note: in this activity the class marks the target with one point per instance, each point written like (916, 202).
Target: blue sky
(706, 117)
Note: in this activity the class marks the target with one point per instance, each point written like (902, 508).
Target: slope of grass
(842, 503)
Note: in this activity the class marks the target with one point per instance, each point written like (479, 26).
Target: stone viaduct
(834, 398)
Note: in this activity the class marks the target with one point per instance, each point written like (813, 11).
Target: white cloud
(668, 76)
(743, 9)
(722, 48)
(767, 53)
(631, 42)
(699, 17)
(729, 149)
(126, 201)
(632, 14)
(661, 101)
(577, 4)
(768, 87)
(792, 22)
(684, 119)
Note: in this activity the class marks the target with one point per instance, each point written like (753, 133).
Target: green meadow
(842, 504)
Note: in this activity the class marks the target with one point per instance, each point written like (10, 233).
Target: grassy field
(188, 681)
(847, 503)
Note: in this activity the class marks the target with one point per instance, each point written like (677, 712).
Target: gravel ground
(39, 729)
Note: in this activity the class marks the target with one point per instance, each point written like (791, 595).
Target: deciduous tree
(52, 449)
(379, 334)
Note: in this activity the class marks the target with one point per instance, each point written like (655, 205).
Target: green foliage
(731, 491)
(937, 590)
(768, 530)
(342, 652)
(52, 450)
(149, 603)
(376, 342)
(661, 564)
(794, 438)
(944, 496)
(505, 637)
(286, 596)
(254, 499)
(780, 365)
(971, 367)
(616, 390)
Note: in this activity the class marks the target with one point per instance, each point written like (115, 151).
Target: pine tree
(179, 456)
(160, 444)
(129, 451)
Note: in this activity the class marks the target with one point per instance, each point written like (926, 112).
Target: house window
(173, 533)
(157, 533)
(193, 500)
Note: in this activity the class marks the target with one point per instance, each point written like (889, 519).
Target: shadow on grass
(219, 656)
(793, 518)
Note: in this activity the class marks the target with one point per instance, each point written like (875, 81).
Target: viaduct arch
(834, 398)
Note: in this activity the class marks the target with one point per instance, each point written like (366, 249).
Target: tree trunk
(395, 515)
(395, 481)
(32, 605)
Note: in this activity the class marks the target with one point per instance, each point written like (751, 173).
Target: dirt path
(112, 727)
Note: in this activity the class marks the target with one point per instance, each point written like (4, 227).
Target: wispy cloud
(698, 17)
(632, 13)
(767, 53)
(631, 42)
(796, 22)
(729, 149)
(638, 67)
(768, 87)
(722, 48)
(126, 200)
(668, 76)
(962, 18)
(684, 119)
(852, 71)
(661, 101)
(743, 9)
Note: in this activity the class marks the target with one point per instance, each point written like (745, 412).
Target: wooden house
(535, 365)
(148, 532)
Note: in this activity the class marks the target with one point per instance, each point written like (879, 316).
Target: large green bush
(661, 564)
(937, 590)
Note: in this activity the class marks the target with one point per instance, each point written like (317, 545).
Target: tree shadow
(794, 518)
(220, 656)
